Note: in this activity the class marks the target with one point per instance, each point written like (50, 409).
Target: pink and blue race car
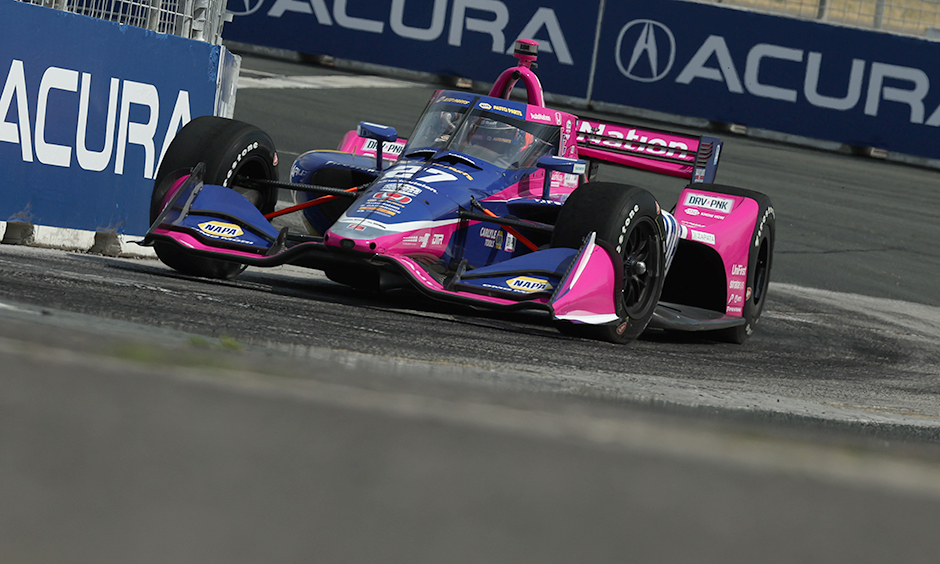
(491, 203)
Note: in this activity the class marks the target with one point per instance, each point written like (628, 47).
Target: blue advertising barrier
(87, 108)
(805, 78)
(466, 38)
(792, 76)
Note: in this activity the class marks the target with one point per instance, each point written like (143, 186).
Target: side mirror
(560, 164)
(380, 133)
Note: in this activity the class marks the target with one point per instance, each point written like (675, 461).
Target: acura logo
(244, 7)
(654, 50)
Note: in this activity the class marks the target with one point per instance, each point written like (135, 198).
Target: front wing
(575, 285)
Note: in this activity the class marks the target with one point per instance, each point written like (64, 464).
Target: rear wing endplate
(663, 152)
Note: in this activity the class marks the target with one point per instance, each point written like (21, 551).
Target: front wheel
(630, 221)
(228, 148)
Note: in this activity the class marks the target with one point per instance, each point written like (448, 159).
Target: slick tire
(629, 220)
(760, 260)
(229, 149)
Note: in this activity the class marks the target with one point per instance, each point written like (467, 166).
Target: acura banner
(85, 121)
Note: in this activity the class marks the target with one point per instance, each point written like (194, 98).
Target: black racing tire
(760, 261)
(628, 220)
(228, 148)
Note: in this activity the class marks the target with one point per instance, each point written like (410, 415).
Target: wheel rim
(252, 167)
(641, 267)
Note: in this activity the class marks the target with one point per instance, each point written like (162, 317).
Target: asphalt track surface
(151, 417)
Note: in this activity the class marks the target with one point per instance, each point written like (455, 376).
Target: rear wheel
(629, 220)
(229, 149)
(760, 259)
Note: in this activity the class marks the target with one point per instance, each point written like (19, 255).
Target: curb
(107, 243)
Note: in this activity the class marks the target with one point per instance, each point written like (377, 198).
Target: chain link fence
(194, 19)
(919, 18)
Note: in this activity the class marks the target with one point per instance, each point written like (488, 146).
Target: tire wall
(88, 108)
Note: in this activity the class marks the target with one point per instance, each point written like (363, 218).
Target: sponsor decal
(387, 211)
(691, 211)
(736, 284)
(493, 238)
(485, 106)
(408, 189)
(506, 110)
(703, 237)
(714, 203)
(220, 229)
(449, 100)
(395, 197)
(738, 270)
(423, 240)
(361, 224)
(735, 310)
(393, 148)
(388, 203)
(528, 284)
(590, 132)
(541, 117)
(621, 328)
(747, 295)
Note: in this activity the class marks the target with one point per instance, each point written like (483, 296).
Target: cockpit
(492, 136)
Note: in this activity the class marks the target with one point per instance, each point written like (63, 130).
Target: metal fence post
(878, 22)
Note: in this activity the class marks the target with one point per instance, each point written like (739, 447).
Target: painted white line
(10, 307)
(908, 316)
(322, 82)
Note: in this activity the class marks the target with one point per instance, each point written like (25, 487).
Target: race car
(491, 202)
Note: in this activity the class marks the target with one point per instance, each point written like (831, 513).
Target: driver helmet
(446, 123)
(494, 135)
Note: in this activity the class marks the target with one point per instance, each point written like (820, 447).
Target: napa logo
(220, 229)
(528, 285)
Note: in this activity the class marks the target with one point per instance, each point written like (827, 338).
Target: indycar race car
(491, 203)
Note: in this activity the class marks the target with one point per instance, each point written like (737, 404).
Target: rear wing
(663, 152)
(353, 143)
